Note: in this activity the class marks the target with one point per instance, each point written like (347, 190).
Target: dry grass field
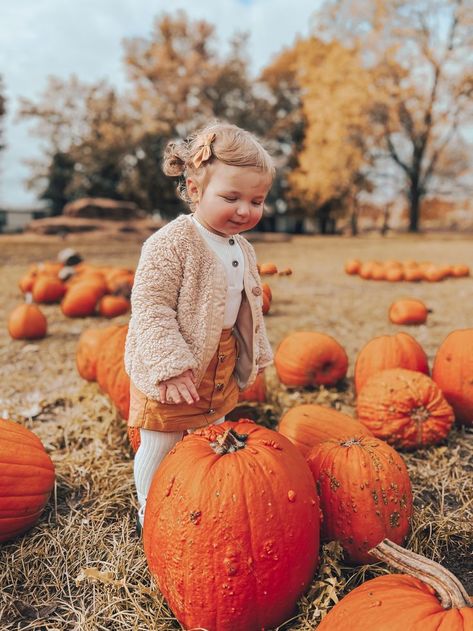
(82, 566)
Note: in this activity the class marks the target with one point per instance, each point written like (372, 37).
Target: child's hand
(180, 389)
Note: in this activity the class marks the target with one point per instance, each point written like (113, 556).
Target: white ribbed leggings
(153, 447)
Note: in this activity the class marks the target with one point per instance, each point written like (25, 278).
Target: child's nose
(243, 209)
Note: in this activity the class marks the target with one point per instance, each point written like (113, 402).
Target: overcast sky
(57, 37)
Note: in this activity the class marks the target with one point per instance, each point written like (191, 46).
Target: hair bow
(205, 151)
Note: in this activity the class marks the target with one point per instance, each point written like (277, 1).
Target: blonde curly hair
(226, 142)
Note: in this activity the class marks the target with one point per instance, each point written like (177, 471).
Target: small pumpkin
(113, 306)
(255, 392)
(352, 266)
(389, 351)
(48, 289)
(309, 358)
(425, 597)
(111, 375)
(266, 303)
(365, 494)
(268, 269)
(309, 424)
(27, 322)
(287, 271)
(232, 506)
(405, 408)
(413, 274)
(81, 300)
(267, 290)
(460, 271)
(453, 373)
(394, 274)
(27, 479)
(408, 311)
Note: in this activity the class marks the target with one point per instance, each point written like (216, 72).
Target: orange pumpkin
(309, 424)
(453, 373)
(426, 596)
(405, 408)
(231, 507)
(365, 494)
(27, 281)
(310, 359)
(366, 270)
(408, 311)
(88, 348)
(389, 351)
(27, 479)
(27, 322)
(394, 274)
(352, 266)
(81, 300)
(48, 289)
(268, 269)
(287, 271)
(111, 375)
(413, 274)
(460, 271)
(113, 306)
(267, 290)
(266, 303)
(134, 437)
(255, 392)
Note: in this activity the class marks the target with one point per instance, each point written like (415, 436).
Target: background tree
(419, 51)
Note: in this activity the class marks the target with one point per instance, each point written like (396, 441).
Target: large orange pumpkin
(26, 479)
(453, 373)
(309, 424)
(389, 351)
(405, 408)
(310, 359)
(27, 322)
(81, 300)
(365, 494)
(426, 597)
(231, 529)
(408, 311)
(111, 374)
(88, 348)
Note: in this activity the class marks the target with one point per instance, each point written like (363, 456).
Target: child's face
(233, 199)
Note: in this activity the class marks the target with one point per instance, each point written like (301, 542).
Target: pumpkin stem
(451, 593)
(229, 442)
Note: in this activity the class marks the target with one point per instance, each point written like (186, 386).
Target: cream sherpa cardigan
(177, 310)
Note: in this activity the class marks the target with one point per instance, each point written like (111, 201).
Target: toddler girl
(196, 334)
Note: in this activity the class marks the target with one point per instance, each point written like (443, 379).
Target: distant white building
(14, 219)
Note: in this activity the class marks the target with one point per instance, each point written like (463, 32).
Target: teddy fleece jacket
(177, 310)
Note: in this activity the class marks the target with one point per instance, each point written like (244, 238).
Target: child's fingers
(184, 393)
(193, 391)
(162, 392)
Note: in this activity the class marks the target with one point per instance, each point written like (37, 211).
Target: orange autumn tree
(420, 53)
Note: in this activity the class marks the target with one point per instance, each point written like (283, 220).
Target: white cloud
(52, 37)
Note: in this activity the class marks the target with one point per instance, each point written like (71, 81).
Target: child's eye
(230, 199)
(258, 203)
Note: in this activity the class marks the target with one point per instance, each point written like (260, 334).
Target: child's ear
(192, 189)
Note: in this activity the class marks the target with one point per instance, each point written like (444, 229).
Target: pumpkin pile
(396, 271)
(81, 288)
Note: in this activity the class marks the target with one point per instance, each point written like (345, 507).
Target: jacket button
(219, 386)
(231, 241)
(235, 263)
(211, 411)
(256, 291)
(221, 358)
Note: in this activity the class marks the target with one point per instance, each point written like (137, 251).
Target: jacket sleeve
(159, 348)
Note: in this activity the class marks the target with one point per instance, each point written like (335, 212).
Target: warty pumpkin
(408, 311)
(26, 479)
(365, 494)
(453, 373)
(426, 597)
(405, 408)
(308, 358)
(231, 507)
(389, 351)
(309, 424)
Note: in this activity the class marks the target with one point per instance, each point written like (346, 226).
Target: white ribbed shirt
(231, 255)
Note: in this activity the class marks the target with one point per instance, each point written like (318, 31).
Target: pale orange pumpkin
(408, 311)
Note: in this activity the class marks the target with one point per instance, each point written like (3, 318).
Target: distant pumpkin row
(413, 271)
